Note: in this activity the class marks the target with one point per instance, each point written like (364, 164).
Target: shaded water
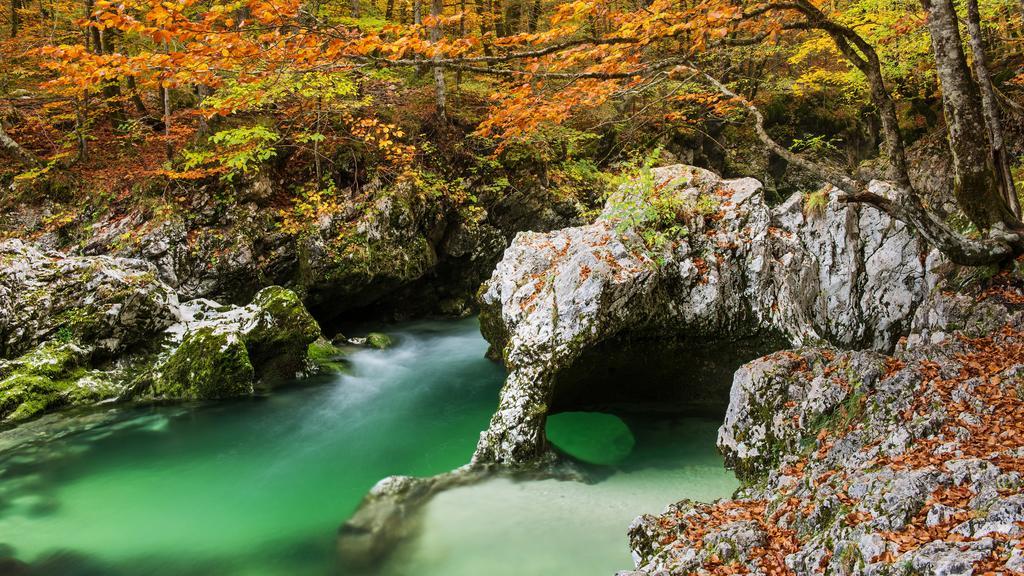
(259, 487)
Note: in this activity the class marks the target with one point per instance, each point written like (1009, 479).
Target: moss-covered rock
(51, 376)
(379, 341)
(226, 351)
(279, 335)
(208, 364)
(326, 357)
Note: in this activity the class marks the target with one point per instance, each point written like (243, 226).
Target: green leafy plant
(234, 151)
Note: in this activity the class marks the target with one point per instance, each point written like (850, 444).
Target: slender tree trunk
(513, 16)
(93, 32)
(976, 185)
(16, 150)
(534, 16)
(165, 94)
(140, 106)
(990, 108)
(112, 88)
(15, 17)
(389, 9)
(481, 14)
(863, 56)
(496, 14)
(462, 34)
(204, 127)
(357, 9)
(80, 106)
(441, 91)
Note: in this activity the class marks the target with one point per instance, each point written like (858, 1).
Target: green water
(259, 487)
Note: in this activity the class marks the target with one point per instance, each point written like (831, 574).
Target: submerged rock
(726, 267)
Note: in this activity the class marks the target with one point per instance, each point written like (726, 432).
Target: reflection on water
(259, 486)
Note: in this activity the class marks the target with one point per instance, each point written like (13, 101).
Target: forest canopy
(337, 95)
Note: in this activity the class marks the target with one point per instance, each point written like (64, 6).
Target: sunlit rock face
(735, 268)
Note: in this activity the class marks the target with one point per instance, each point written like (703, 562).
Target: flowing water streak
(259, 486)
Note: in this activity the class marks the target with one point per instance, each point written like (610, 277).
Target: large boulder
(683, 252)
(224, 351)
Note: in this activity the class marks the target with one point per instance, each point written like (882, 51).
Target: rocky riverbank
(864, 463)
(89, 330)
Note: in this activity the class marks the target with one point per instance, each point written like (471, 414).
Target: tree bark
(976, 185)
(389, 9)
(112, 88)
(17, 151)
(165, 94)
(440, 89)
(990, 109)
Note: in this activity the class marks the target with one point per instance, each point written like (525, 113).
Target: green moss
(207, 365)
(283, 324)
(41, 379)
(378, 341)
(327, 356)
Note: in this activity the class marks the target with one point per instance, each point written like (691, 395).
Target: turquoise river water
(259, 486)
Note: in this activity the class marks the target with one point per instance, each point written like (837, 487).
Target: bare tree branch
(907, 208)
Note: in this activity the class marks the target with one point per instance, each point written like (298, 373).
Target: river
(259, 486)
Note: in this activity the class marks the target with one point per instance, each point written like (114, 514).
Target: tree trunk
(863, 56)
(16, 150)
(140, 106)
(357, 10)
(112, 88)
(990, 108)
(165, 93)
(15, 17)
(534, 16)
(484, 28)
(976, 185)
(441, 91)
(389, 9)
(93, 32)
(513, 16)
